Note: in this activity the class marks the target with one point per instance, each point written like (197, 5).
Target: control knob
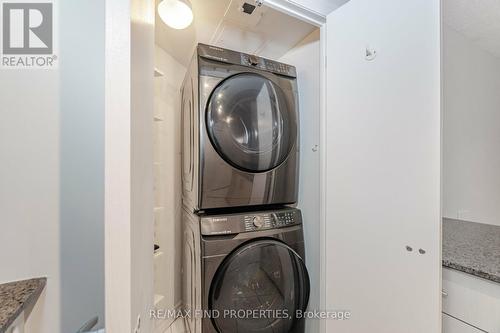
(253, 60)
(258, 222)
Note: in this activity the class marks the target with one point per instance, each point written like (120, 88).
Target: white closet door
(453, 325)
(382, 166)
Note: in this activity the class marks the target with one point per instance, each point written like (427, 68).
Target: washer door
(251, 123)
(259, 288)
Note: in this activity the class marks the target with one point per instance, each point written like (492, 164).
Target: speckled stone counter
(16, 297)
(473, 248)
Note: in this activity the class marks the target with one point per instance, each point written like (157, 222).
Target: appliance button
(253, 60)
(258, 222)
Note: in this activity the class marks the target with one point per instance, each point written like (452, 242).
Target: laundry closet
(256, 186)
(368, 145)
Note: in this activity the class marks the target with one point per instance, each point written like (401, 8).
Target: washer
(240, 131)
(246, 271)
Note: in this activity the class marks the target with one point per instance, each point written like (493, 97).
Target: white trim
(295, 10)
(322, 177)
(118, 252)
(441, 198)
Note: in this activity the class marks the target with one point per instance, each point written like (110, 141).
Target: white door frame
(117, 168)
(129, 54)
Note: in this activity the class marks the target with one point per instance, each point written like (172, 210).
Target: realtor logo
(28, 34)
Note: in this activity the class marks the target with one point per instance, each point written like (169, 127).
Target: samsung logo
(219, 219)
(216, 48)
(223, 232)
(209, 56)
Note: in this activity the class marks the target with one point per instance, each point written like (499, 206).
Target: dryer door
(259, 288)
(251, 122)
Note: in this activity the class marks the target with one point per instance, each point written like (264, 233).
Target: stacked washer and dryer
(243, 249)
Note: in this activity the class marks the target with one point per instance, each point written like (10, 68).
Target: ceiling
(478, 20)
(266, 32)
(324, 7)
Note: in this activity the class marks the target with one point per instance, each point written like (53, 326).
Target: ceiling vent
(247, 8)
(244, 13)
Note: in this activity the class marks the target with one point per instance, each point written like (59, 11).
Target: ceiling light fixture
(177, 14)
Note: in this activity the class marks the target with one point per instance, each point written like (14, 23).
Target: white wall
(29, 187)
(51, 175)
(305, 57)
(382, 166)
(82, 163)
(168, 177)
(471, 156)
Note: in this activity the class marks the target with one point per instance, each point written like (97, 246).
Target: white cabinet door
(382, 166)
(452, 325)
(472, 300)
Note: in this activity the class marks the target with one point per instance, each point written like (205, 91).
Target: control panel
(248, 60)
(269, 220)
(266, 64)
(255, 221)
(280, 68)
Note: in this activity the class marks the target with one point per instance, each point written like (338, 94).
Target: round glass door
(250, 123)
(259, 288)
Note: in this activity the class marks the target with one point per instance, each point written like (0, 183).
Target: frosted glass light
(176, 14)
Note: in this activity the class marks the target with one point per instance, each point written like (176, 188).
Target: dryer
(244, 272)
(240, 131)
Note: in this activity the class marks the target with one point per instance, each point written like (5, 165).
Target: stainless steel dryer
(240, 131)
(244, 272)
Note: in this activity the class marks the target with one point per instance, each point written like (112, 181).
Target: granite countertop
(16, 297)
(473, 248)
